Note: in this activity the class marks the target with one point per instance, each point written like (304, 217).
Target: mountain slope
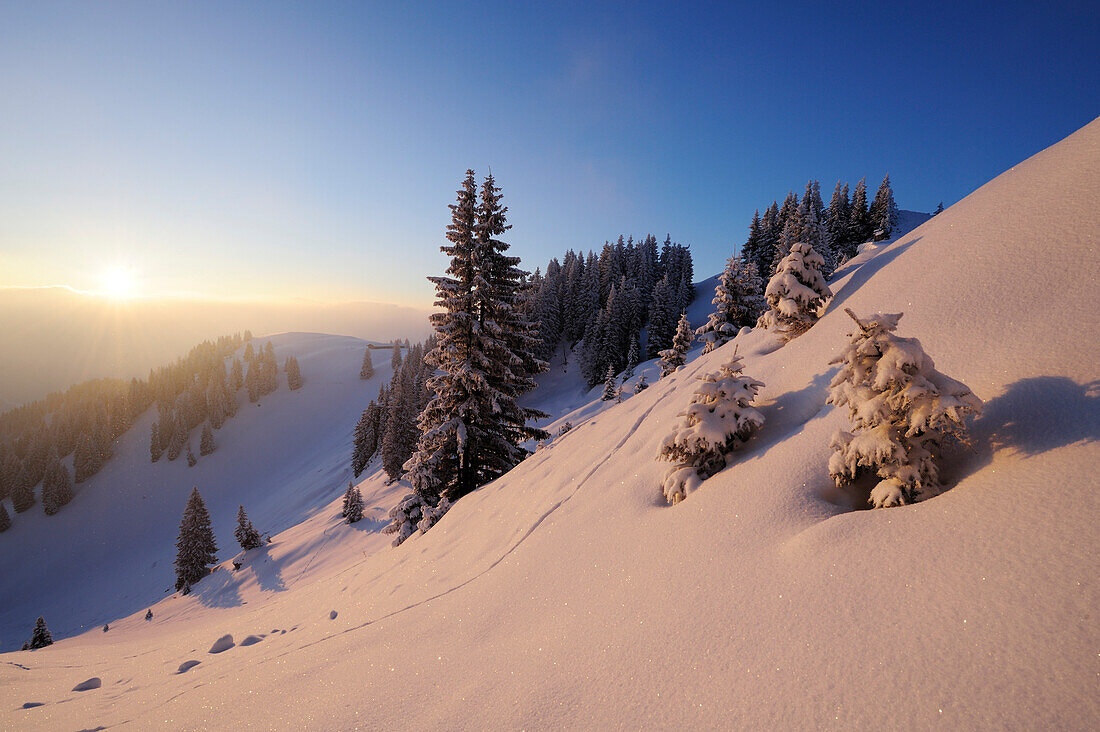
(567, 595)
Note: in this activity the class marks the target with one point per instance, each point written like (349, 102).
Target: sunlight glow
(118, 283)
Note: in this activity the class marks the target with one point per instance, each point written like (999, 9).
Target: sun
(118, 283)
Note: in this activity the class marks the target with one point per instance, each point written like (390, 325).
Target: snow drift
(567, 594)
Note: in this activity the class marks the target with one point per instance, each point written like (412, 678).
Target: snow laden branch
(901, 409)
(718, 420)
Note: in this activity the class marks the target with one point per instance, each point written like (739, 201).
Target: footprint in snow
(252, 640)
(222, 644)
(187, 666)
(32, 705)
(93, 683)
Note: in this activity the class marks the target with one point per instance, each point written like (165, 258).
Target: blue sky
(310, 149)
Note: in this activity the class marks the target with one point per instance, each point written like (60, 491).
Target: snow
(567, 595)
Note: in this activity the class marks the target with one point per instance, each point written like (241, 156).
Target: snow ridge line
(509, 551)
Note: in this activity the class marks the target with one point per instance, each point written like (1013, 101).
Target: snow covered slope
(567, 595)
(110, 552)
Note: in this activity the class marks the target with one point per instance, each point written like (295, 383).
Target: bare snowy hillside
(568, 595)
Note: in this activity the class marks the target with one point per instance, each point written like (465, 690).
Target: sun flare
(118, 283)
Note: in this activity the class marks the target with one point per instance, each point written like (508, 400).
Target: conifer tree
(642, 384)
(40, 636)
(756, 248)
(367, 370)
(206, 442)
(395, 358)
(631, 356)
(293, 373)
(195, 546)
(353, 504)
(83, 459)
(860, 228)
(366, 438)
(673, 358)
(57, 487)
(249, 353)
(610, 385)
(737, 303)
(939, 209)
(718, 420)
(662, 319)
(901, 409)
(472, 427)
(5, 519)
(191, 459)
(884, 212)
(155, 448)
(795, 293)
(837, 223)
(246, 533)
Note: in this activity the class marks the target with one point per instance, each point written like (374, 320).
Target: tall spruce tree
(22, 492)
(206, 442)
(195, 545)
(884, 212)
(471, 428)
(859, 229)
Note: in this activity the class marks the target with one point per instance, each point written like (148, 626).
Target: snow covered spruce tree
(641, 385)
(718, 420)
(206, 441)
(353, 504)
(795, 293)
(245, 533)
(901, 409)
(610, 385)
(472, 427)
(40, 636)
(737, 303)
(195, 546)
(673, 358)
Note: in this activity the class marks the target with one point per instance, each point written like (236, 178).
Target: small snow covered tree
(673, 358)
(195, 546)
(293, 373)
(737, 303)
(246, 533)
(191, 459)
(367, 370)
(632, 354)
(718, 420)
(5, 519)
(901, 409)
(206, 442)
(642, 385)
(353, 504)
(40, 636)
(609, 385)
(22, 491)
(796, 292)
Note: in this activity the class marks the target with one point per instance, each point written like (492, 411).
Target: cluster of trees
(901, 411)
(84, 421)
(388, 426)
(835, 232)
(604, 301)
(201, 390)
(196, 548)
(485, 355)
